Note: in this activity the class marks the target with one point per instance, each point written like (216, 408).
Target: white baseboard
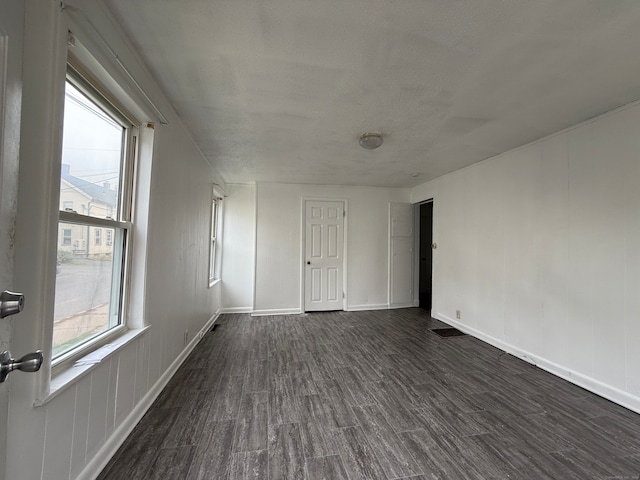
(609, 392)
(297, 311)
(120, 434)
(276, 311)
(401, 305)
(358, 308)
(237, 310)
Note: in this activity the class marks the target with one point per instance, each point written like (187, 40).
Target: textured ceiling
(279, 90)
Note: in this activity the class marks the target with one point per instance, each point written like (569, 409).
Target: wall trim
(297, 311)
(237, 310)
(604, 390)
(357, 308)
(276, 311)
(402, 305)
(120, 434)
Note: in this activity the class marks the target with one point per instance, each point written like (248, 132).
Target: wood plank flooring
(370, 395)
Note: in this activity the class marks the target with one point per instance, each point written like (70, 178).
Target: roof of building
(98, 193)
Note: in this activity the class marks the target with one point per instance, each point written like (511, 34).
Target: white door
(324, 255)
(402, 255)
(11, 20)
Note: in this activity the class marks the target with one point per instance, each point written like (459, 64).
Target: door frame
(303, 238)
(417, 243)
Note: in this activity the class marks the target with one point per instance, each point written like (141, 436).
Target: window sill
(70, 376)
(214, 282)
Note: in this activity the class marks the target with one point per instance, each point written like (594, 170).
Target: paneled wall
(539, 248)
(75, 431)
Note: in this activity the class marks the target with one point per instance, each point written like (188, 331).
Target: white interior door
(324, 255)
(11, 20)
(402, 255)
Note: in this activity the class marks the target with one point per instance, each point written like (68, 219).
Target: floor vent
(448, 332)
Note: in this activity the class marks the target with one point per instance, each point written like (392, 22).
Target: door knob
(10, 303)
(31, 362)
(308, 263)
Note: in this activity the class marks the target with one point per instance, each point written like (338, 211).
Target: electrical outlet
(458, 314)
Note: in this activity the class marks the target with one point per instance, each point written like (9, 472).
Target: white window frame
(213, 243)
(122, 226)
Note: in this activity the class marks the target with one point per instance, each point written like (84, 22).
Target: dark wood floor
(371, 395)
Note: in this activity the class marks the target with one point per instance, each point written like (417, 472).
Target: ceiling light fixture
(370, 140)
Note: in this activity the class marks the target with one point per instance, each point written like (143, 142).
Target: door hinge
(342, 294)
(344, 213)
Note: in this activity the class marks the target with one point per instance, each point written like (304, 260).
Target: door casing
(425, 267)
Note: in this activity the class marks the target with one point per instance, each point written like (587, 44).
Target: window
(212, 245)
(66, 237)
(97, 168)
(67, 204)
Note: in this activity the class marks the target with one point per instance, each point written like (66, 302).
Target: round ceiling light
(370, 140)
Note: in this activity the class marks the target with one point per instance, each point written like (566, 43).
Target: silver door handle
(31, 362)
(10, 303)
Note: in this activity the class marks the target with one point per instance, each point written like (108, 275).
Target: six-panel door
(324, 247)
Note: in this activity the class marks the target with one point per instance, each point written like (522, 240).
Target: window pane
(212, 245)
(87, 299)
(92, 152)
(91, 252)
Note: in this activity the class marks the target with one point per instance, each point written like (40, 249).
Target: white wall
(73, 433)
(540, 250)
(278, 251)
(238, 248)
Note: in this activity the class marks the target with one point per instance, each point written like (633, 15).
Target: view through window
(90, 271)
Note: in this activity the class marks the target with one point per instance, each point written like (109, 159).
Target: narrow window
(97, 167)
(212, 245)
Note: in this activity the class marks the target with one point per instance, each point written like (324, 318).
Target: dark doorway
(426, 254)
